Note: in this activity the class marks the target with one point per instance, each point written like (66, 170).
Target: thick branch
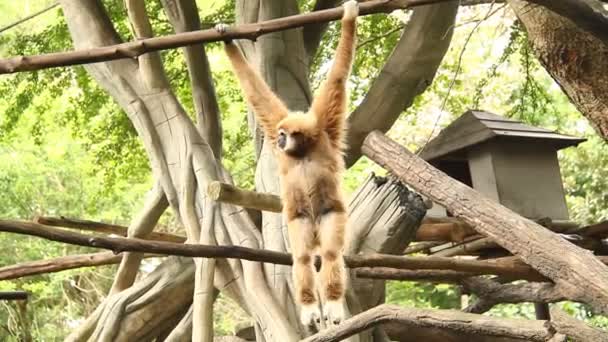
(59, 264)
(467, 247)
(183, 15)
(492, 293)
(150, 65)
(456, 321)
(598, 230)
(505, 266)
(246, 31)
(314, 33)
(228, 193)
(14, 295)
(575, 329)
(575, 58)
(101, 227)
(408, 72)
(435, 229)
(140, 227)
(576, 271)
(590, 15)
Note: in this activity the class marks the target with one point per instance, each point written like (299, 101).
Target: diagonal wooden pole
(575, 270)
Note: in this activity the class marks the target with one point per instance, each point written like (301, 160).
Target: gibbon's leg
(302, 239)
(268, 108)
(329, 104)
(332, 274)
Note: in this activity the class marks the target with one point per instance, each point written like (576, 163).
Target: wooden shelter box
(510, 162)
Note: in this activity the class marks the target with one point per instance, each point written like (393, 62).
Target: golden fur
(309, 148)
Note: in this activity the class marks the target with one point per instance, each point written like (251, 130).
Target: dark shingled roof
(475, 127)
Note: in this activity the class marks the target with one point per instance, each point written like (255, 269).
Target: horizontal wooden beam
(245, 31)
(508, 267)
(228, 193)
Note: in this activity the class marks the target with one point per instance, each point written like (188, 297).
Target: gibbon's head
(297, 134)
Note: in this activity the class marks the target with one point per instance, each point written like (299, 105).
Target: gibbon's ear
(268, 108)
(330, 103)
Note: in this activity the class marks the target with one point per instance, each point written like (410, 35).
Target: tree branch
(590, 15)
(31, 268)
(314, 33)
(183, 15)
(141, 226)
(228, 193)
(246, 31)
(576, 271)
(491, 292)
(454, 321)
(505, 266)
(150, 65)
(575, 329)
(408, 72)
(101, 227)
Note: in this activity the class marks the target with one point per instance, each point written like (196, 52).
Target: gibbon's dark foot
(310, 315)
(333, 311)
(221, 29)
(313, 328)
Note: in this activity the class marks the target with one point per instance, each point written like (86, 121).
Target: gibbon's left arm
(269, 110)
(330, 104)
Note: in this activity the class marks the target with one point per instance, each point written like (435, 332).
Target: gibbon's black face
(293, 144)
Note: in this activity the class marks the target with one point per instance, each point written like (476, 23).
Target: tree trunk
(175, 300)
(577, 60)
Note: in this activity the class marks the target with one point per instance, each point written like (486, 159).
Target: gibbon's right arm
(268, 108)
(330, 102)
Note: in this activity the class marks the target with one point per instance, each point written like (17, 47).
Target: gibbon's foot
(333, 311)
(310, 315)
(351, 9)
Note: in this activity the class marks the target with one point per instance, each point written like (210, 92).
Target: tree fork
(576, 271)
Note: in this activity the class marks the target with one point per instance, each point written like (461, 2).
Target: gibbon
(309, 148)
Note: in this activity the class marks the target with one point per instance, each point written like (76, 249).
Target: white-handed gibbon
(309, 148)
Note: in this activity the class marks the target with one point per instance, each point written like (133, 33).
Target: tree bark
(69, 262)
(455, 321)
(408, 72)
(575, 329)
(575, 270)
(573, 57)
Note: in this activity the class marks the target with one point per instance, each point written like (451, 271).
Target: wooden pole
(224, 192)
(245, 31)
(504, 266)
(450, 320)
(580, 274)
(102, 227)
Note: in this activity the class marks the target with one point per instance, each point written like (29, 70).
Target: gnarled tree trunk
(175, 300)
(575, 58)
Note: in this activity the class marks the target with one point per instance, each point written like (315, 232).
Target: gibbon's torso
(311, 184)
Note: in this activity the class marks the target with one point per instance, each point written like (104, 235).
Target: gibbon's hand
(221, 28)
(351, 10)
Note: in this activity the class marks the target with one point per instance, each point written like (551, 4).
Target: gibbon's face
(294, 144)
